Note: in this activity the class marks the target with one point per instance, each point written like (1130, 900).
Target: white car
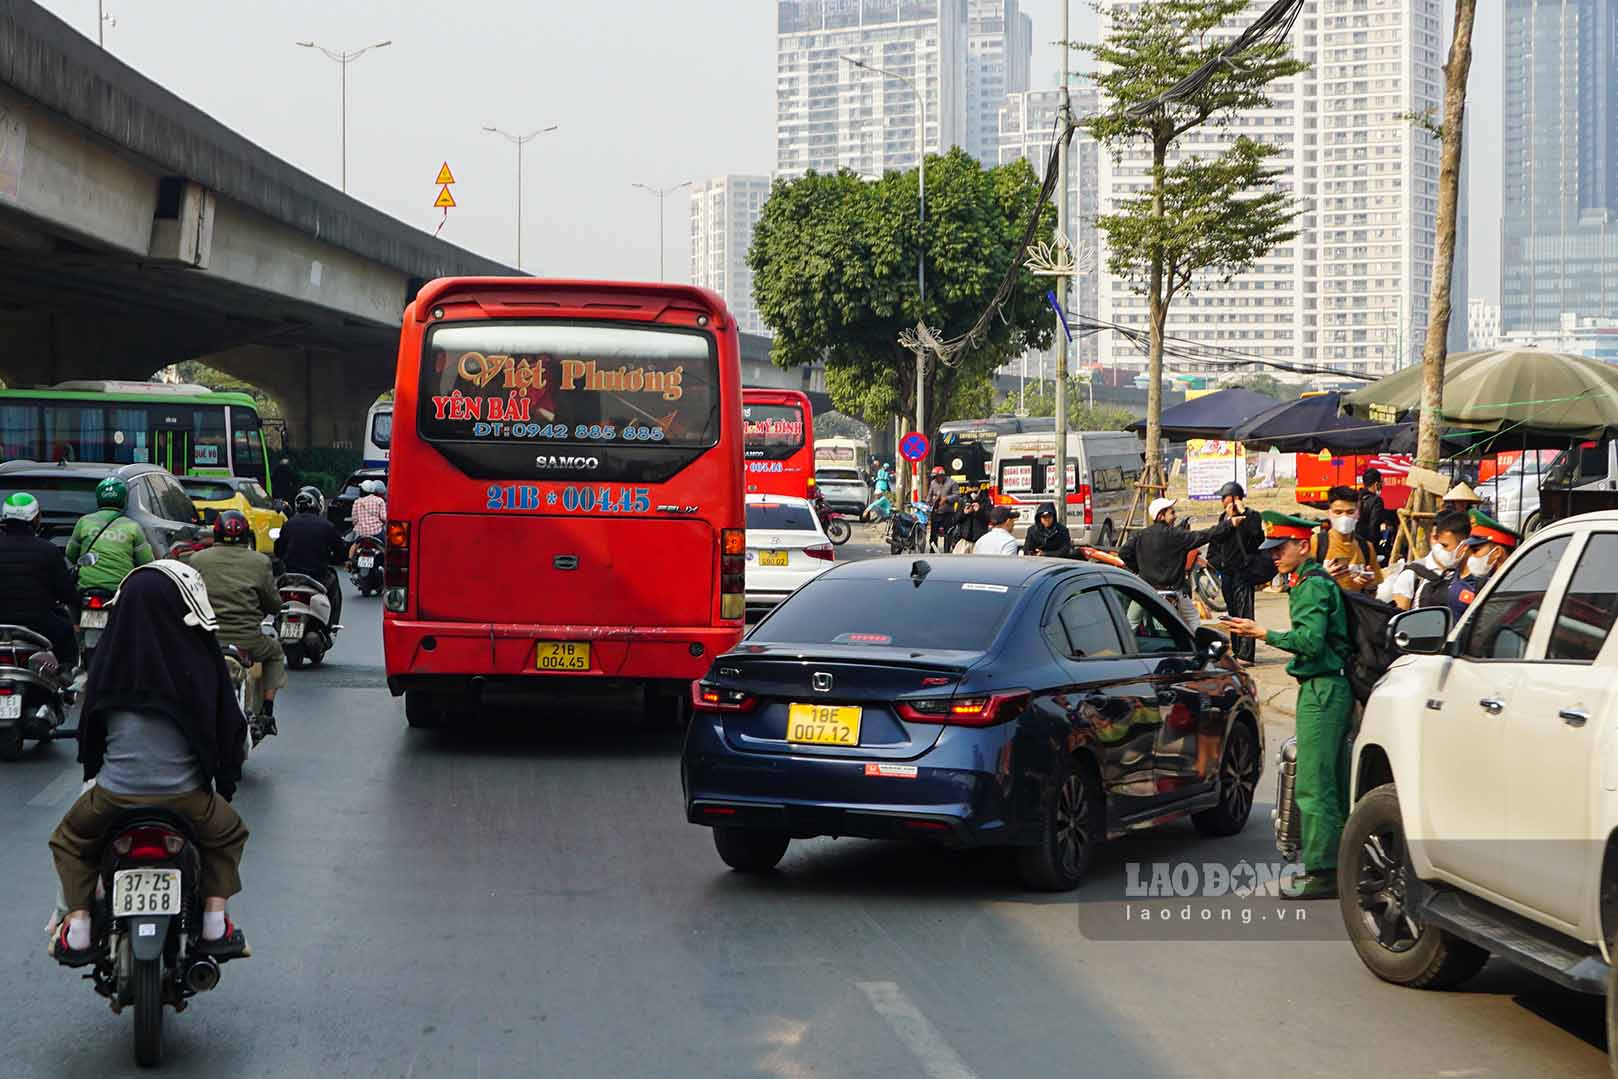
(845, 489)
(785, 547)
(1485, 779)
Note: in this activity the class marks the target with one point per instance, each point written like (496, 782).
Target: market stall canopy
(1311, 424)
(1209, 416)
(1520, 395)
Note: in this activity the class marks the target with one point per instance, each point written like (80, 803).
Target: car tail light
(148, 844)
(824, 551)
(965, 711)
(710, 698)
(926, 826)
(733, 573)
(396, 567)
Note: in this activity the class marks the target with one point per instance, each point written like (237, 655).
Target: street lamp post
(661, 193)
(921, 253)
(519, 141)
(343, 59)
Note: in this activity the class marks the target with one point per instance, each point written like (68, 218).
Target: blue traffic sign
(914, 446)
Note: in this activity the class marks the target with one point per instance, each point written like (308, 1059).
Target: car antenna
(919, 569)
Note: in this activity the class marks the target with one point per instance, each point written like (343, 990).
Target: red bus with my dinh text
(779, 444)
(564, 493)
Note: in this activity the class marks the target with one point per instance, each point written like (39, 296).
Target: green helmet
(22, 507)
(111, 493)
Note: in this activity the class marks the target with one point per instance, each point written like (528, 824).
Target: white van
(1102, 470)
(841, 453)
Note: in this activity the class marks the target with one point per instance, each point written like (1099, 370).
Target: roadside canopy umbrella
(1209, 416)
(1523, 395)
(1311, 424)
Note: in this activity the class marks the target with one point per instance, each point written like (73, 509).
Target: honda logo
(821, 681)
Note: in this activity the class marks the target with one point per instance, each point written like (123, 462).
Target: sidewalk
(1277, 690)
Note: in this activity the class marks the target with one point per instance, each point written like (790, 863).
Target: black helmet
(309, 500)
(231, 527)
(1232, 490)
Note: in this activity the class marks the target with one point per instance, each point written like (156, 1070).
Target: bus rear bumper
(424, 654)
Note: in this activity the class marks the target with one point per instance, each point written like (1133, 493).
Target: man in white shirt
(998, 539)
(1448, 532)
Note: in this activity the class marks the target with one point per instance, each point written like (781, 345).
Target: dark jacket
(973, 522)
(310, 544)
(1158, 554)
(283, 482)
(1372, 515)
(1232, 552)
(1055, 541)
(33, 577)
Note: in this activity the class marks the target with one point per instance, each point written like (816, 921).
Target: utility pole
(1063, 127)
(342, 60)
(519, 141)
(661, 193)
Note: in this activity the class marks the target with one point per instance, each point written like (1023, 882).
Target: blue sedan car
(1036, 703)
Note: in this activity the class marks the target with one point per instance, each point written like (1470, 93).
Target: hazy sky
(645, 91)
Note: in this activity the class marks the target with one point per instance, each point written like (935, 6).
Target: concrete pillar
(323, 396)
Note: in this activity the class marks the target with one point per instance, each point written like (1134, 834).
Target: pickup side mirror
(1421, 632)
(1212, 646)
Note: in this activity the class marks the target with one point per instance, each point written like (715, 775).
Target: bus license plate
(823, 724)
(92, 619)
(145, 891)
(772, 558)
(11, 706)
(562, 656)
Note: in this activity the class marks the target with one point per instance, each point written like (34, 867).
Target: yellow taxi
(214, 494)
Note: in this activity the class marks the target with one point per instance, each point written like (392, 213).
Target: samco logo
(579, 464)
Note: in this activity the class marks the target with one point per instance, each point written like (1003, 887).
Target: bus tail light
(396, 567)
(733, 573)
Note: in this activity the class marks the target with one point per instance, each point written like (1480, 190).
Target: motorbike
(838, 530)
(304, 624)
(1204, 581)
(33, 694)
(246, 676)
(93, 612)
(146, 921)
(365, 568)
(908, 531)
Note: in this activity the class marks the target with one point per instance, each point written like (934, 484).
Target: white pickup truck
(1484, 814)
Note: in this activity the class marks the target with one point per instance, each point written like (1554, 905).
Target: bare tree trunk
(1434, 351)
(1157, 315)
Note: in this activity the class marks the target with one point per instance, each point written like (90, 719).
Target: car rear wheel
(750, 850)
(1532, 525)
(667, 708)
(1374, 882)
(1072, 827)
(1239, 768)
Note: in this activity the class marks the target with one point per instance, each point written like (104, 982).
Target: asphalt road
(527, 899)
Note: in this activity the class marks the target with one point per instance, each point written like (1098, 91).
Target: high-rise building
(1350, 291)
(830, 114)
(1560, 244)
(999, 52)
(723, 213)
(1482, 324)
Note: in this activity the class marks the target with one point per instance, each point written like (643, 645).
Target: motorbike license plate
(11, 706)
(562, 656)
(772, 558)
(292, 631)
(92, 619)
(145, 891)
(366, 561)
(823, 724)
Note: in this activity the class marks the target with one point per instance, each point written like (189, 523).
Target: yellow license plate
(823, 724)
(562, 656)
(772, 558)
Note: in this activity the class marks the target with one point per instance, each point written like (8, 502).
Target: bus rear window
(546, 383)
(772, 432)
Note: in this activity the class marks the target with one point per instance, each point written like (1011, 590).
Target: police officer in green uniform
(1320, 647)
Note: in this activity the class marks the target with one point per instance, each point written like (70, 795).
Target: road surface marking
(59, 788)
(938, 1060)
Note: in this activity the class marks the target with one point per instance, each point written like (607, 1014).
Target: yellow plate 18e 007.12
(823, 724)
(562, 655)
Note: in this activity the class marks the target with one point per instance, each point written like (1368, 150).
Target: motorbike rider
(241, 589)
(1047, 536)
(370, 512)
(109, 543)
(1232, 556)
(1158, 553)
(309, 544)
(34, 579)
(160, 727)
(942, 491)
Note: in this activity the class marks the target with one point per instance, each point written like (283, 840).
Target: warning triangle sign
(444, 175)
(445, 199)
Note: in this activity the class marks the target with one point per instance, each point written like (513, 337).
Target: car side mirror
(1212, 646)
(1421, 632)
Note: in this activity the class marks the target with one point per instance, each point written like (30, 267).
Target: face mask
(1478, 566)
(1345, 525)
(1443, 556)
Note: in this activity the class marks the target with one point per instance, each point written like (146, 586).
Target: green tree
(1200, 219)
(834, 275)
(1268, 385)
(1039, 399)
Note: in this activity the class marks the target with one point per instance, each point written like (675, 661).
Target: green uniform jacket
(241, 588)
(118, 550)
(1318, 639)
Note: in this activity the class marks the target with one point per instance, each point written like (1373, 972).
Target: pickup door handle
(1574, 717)
(1492, 705)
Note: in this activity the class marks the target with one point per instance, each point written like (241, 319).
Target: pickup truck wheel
(1373, 880)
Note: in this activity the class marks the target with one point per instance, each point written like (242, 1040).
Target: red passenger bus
(564, 492)
(780, 443)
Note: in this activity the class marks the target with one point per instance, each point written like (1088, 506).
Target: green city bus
(189, 430)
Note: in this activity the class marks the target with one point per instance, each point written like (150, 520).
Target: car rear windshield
(773, 432)
(56, 494)
(779, 517)
(938, 615)
(545, 383)
(208, 492)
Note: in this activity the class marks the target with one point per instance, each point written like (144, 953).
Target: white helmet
(20, 506)
(371, 487)
(1157, 507)
(199, 612)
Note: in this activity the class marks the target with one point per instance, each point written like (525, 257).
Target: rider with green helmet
(34, 581)
(106, 545)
